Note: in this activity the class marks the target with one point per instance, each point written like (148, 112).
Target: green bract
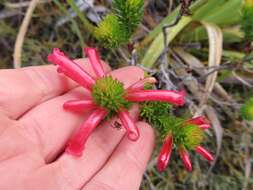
(110, 32)
(150, 110)
(117, 27)
(190, 136)
(129, 13)
(184, 134)
(109, 93)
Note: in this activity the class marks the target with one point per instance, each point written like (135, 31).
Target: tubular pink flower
(94, 59)
(169, 96)
(185, 158)
(79, 105)
(204, 126)
(201, 121)
(165, 152)
(77, 142)
(141, 83)
(71, 69)
(203, 152)
(127, 122)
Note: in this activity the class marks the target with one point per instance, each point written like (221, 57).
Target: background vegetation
(209, 54)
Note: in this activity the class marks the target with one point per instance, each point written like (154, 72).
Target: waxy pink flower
(164, 155)
(201, 121)
(165, 152)
(134, 93)
(184, 155)
(71, 69)
(203, 152)
(77, 142)
(169, 96)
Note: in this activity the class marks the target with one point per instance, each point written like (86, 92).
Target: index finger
(22, 89)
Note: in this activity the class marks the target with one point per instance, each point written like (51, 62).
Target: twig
(166, 75)
(185, 4)
(214, 69)
(122, 53)
(241, 79)
(183, 11)
(151, 164)
(248, 163)
(195, 64)
(91, 7)
(7, 13)
(234, 81)
(151, 185)
(249, 70)
(23, 4)
(134, 57)
(21, 34)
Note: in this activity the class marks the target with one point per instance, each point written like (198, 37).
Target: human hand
(34, 129)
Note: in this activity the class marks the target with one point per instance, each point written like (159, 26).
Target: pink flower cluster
(165, 152)
(134, 93)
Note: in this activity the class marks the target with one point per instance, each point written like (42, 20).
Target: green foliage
(220, 12)
(246, 110)
(117, 27)
(109, 93)
(247, 22)
(110, 33)
(6, 30)
(157, 114)
(129, 13)
(151, 110)
(190, 136)
(168, 124)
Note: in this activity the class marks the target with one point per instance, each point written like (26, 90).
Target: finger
(127, 164)
(21, 89)
(49, 126)
(70, 172)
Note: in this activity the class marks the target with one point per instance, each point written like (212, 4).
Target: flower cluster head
(107, 97)
(177, 133)
(187, 136)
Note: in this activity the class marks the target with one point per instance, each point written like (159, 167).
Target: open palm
(34, 129)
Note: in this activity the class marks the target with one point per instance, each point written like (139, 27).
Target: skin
(34, 129)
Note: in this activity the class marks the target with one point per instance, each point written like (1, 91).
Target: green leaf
(157, 47)
(247, 22)
(215, 11)
(117, 27)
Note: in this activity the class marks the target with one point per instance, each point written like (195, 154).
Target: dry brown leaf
(214, 59)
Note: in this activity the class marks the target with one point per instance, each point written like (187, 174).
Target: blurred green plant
(118, 26)
(247, 20)
(219, 12)
(246, 110)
